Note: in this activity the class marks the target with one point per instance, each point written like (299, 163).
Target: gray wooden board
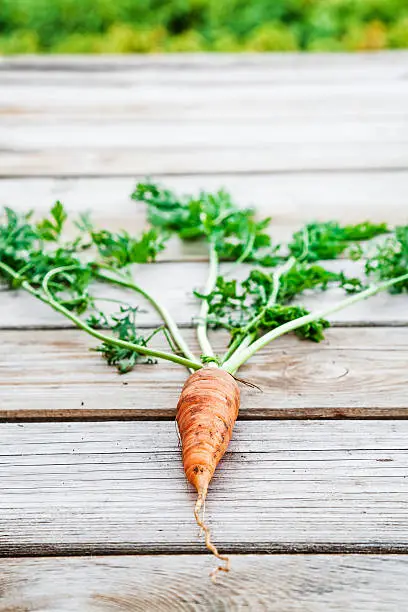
(357, 372)
(133, 87)
(317, 583)
(128, 160)
(393, 61)
(284, 486)
(173, 284)
(191, 97)
(156, 117)
(388, 65)
(196, 96)
(221, 103)
(175, 137)
(290, 200)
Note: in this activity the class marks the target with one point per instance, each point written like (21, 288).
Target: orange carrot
(206, 414)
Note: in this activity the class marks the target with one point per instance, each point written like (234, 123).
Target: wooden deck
(95, 512)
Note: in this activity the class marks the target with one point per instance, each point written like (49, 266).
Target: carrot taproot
(206, 414)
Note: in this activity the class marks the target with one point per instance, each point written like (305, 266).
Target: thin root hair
(209, 544)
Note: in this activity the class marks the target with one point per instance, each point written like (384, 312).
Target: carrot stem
(245, 253)
(202, 320)
(240, 358)
(194, 365)
(160, 309)
(244, 339)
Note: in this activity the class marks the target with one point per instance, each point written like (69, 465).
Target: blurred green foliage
(144, 26)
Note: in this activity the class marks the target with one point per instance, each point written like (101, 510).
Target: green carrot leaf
(50, 229)
(390, 259)
(235, 232)
(122, 249)
(329, 240)
(277, 315)
(123, 326)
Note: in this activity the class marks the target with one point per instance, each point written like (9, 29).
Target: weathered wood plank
(166, 97)
(355, 373)
(291, 200)
(198, 60)
(177, 115)
(284, 486)
(173, 283)
(155, 116)
(151, 137)
(321, 583)
(388, 65)
(89, 161)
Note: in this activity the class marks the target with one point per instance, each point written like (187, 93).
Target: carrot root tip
(200, 503)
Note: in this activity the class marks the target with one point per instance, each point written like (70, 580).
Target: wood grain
(388, 65)
(389, 60)
(357, 373)
(174, 283)
(290, 200)
(285, 157)
(179, 584)
(189, 101)
(363, 90)
(174, 137)
(281, 76)
(157, 117)
(284, 486)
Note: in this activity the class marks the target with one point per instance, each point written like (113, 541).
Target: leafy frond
(50, 228)
(263, 306)
(234, 305)
(329, 240)
(278, 315)
(234, 231)
(122, 249)
(123, 326)
(390, 259)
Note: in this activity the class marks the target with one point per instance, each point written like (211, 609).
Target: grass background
(146, 26)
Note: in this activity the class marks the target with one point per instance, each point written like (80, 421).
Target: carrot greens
(253, 290)
(390, 260)
(329, 240)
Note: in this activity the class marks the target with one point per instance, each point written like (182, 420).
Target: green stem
(209, 287)
(194, 365)
(277, 275)
(50, 274)
(233, 346)
(241, 345)
(168, 337)
(160, 309)
(245, 253)
(305, 249)
(240, 342)
(237, 360)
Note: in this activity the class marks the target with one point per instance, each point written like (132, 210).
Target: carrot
(206, 414)
(255, 311)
